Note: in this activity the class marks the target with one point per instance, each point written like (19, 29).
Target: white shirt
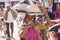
(10, 17)
(50, 8)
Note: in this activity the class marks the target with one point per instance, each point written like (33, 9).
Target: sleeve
(14, 13)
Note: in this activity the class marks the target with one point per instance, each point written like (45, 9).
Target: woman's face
(31, 17)
(31, 23)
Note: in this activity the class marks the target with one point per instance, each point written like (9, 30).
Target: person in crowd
(57, 11)
(52, 36)
(58, 34)
(30, 32)
(42, 27)
(9, 16)
(57, 14)
(51, 8)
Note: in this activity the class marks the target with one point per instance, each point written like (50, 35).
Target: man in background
(10, 16)
(51, 8)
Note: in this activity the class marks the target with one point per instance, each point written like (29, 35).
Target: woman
(52, 36)
(57, 11)
(30, 33)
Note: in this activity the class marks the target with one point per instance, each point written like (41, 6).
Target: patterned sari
(32, 34)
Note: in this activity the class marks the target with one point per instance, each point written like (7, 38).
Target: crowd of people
(32, 27)
(50, 13)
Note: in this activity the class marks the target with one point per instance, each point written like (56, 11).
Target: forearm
(48, 19)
